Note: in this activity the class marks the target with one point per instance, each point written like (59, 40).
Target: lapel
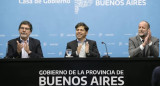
(18, 40)
(139, 43)
(75, 44)
(30, 43)
(139, 40)
(88, 43)
(147, 50)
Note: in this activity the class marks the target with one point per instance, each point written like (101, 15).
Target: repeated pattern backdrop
(110, 21)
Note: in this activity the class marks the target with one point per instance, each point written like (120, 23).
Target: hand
(26, 47)
(145, 41)
(87, 47)
(19, 47)
(147, 38)
(79, 48)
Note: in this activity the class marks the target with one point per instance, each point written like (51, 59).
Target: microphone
(105, 56)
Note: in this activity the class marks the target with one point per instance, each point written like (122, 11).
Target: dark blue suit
(93, 50)
(34, 46)
(156, 77)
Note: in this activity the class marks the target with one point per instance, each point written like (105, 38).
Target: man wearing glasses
(24, 46)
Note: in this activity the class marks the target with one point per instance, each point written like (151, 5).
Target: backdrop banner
(110, 21)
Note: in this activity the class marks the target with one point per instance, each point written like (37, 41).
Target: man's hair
(82, 24)
(26, 23)
(147, 24)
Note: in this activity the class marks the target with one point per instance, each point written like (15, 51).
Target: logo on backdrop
(82, 4)
(86, 3)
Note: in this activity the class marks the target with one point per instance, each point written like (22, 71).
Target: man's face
(24, 31)
(81, 32)
(142, 29)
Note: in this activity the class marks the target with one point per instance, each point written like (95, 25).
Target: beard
(23, 35)
(142, 35)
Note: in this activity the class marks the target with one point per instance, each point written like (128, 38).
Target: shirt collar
(141, 39)
(23, 40)
(80, 41)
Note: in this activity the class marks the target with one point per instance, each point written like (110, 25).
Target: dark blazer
(156, 76)
(93, 50)
(34, 46)
(135, 51)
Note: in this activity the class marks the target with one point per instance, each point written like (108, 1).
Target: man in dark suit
(143, 45)
(24, 46)
(82, 47)
(156, 77)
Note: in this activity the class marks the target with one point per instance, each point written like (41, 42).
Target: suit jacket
(156, 77)
(135, 51)
(93, 50)
(34, 46)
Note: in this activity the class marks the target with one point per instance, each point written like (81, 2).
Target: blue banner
(110, 21)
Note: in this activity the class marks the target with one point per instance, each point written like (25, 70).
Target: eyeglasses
(24, 28)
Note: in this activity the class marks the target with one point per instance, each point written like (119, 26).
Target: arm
(93, 52)
(38, 52)
(11, 52)
(133, 50)
(154, 48)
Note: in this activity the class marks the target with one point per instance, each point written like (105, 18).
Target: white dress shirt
(82, 53)
(24, 53)
(141, 46)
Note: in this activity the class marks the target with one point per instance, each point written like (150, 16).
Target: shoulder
(92, 41)
(33, 39)
(71, 42)
(133, 38)
(13, 41)
(154, 38)
(157, 70)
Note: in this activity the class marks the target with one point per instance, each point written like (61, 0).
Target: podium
(26, 72)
